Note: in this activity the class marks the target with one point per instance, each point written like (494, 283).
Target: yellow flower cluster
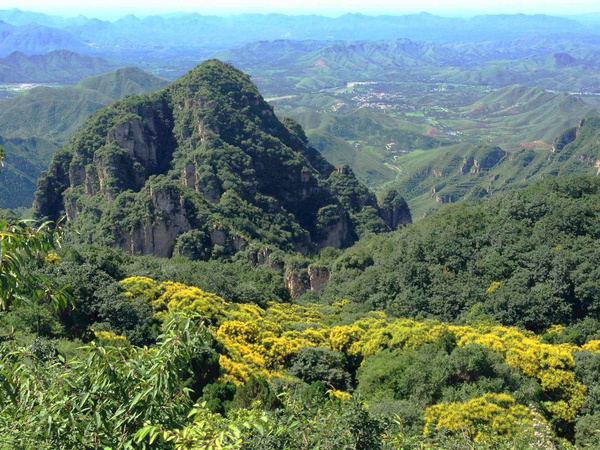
(262, 342)
(109, 336)
(142, 288)
(52, 259)
(551, 364)
(483, 418)
(169, 297)
(112, 339)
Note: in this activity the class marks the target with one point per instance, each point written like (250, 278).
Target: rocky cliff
(204, 168)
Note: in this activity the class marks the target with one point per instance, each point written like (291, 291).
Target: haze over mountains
(386, 95)
(33, 33)
(58, 66)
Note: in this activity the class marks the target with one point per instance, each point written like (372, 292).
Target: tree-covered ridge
(528, 258)
(349, 366)
(203, 168)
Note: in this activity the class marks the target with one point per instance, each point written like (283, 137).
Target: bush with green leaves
(321, 364)
(105, 397)
(23, 246)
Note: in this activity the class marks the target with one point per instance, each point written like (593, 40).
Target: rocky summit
(204, 168)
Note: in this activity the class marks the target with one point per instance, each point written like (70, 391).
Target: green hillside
(520, 114)
(34, 125)
(56, 113)
(450, 174)
(60, 66)
(413, 133)
(364, 139)
(532, 245)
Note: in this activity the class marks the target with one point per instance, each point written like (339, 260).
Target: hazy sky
(117, 8)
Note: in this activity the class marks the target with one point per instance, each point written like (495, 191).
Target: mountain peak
(205, 169)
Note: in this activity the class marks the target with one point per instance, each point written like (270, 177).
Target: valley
(392, 132)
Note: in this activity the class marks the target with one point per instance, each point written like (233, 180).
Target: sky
(111, 9)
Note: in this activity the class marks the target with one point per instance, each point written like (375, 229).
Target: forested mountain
(35, 125)
(453, 173)
(59, 66)
(533, 60)
(204, 168)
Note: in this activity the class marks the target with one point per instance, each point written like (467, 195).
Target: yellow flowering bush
(178, 297)
(262, 342)
(241, 332)
(142, 287)
(52, 259)
(494, 286)
(483, 418)
(340, 395)
(108, 338)
(344, 338)
(592, 346)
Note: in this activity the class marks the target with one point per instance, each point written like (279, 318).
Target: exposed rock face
(297, 282)
(157, 237)
(466, 166)
(567, 137)
(204, 167)
(442, 199)
(483, 159)
(300, 280)
(488, 160)
(318, 277)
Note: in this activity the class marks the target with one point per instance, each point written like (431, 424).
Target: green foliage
(255, 391)
(123, 389)
(320, 364)
(536, 248)
(430, 375)
(217, 397)
(23, 246)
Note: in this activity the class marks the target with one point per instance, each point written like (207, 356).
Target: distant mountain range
(34, 39)
(296, 66)
(34, 125)
(187, 34)
(59, 66)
